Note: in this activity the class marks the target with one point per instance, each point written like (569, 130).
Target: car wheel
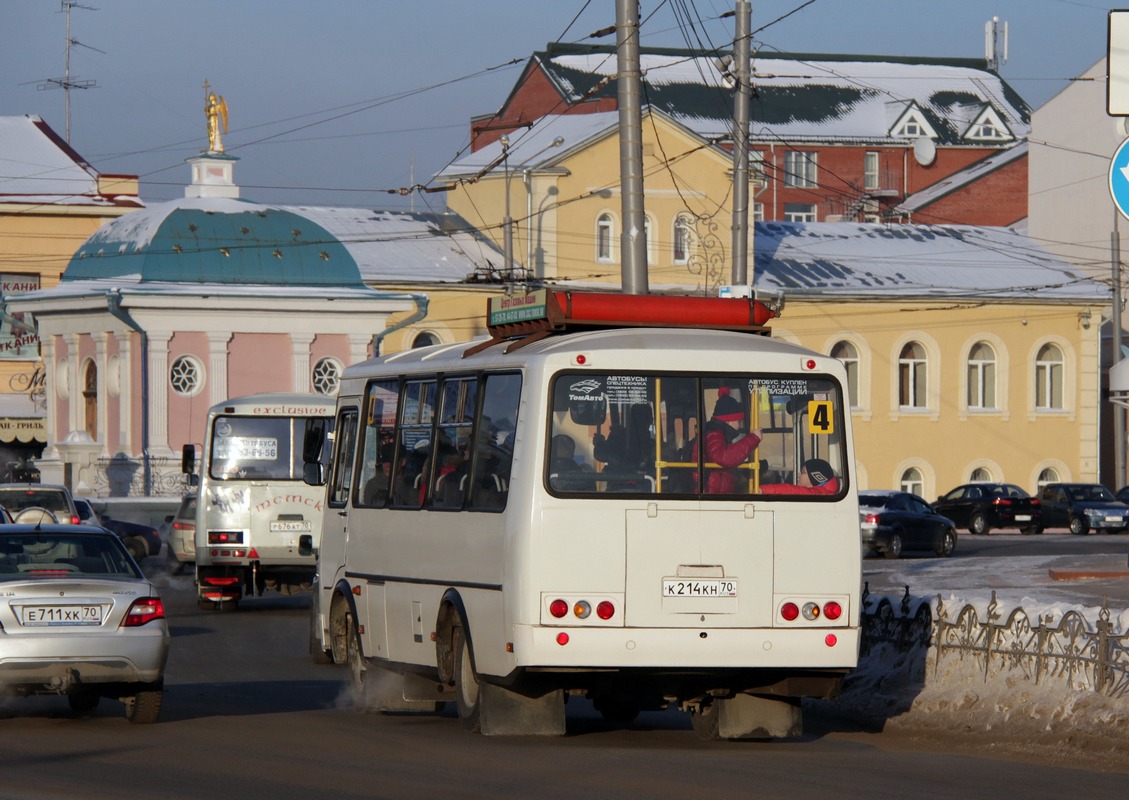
(34, 515)
(144, 707)
(894, 548)
(137, 548)
(947, 544)
(978, 525)
(1078, 526)
(83, 701)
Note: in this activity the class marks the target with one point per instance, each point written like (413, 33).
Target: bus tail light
(605, 610)
(225, 537)
(832, 610)
(558, 608)
(789, 611)
(811, 611)
(582, 609)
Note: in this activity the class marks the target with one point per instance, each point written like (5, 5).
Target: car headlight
(1095, 512)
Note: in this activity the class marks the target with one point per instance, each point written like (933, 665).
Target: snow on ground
(914, 694)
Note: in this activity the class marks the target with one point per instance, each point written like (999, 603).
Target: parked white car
(180, 547)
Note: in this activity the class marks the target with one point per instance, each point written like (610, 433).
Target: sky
(343, 102)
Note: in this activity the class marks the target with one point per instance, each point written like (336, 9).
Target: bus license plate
(699, 587)
(280, 527)
(42, 616)
(1022, 517)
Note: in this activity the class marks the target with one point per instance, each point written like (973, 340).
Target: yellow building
(51, 200)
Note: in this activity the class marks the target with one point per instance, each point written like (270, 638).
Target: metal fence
(1069, 651)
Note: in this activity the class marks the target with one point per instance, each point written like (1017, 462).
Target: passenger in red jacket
(816, 477)
(728, 445)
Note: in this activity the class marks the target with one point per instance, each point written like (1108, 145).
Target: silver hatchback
(78, 618)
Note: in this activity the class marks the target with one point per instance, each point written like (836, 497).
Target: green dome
(216, 240)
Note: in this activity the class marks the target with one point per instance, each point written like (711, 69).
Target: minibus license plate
(40, 616)
(699, 587)
(291, 526)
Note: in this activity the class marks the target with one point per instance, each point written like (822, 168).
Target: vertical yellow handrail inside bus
(660, 430)
(754, 424)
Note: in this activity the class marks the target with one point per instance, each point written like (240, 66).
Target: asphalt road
(247, 714)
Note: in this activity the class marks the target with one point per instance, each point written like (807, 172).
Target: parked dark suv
(980, 507)
(1082, 507)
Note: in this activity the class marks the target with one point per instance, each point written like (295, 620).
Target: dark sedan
(1083, 507)
(892, 521)
(980, 507)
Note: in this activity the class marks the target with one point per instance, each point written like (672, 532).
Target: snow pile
(894, 689)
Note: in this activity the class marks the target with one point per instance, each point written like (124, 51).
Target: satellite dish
(924, 150)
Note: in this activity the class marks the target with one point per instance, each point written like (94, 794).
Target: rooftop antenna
(66, 83)
(995, 51)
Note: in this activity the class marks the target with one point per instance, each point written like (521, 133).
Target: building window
(683, 238)
(980, 475)
(1048, 475)
(799, 212)
(758, 212)
(1049, 369)
(425, 339)
(982, 377)
(800, 169)
(911, 376)
(913, 482)
(756, 166)
(604, 238)
(326, 376)
(90, 399)
(848, 354)
(186, 376)
(870, 170)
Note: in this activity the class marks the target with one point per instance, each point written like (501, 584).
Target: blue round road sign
(1119, 178)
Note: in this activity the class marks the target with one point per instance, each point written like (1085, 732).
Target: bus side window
(377, 446)
(494, 442)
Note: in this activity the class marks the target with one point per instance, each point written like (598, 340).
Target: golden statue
(215, 109)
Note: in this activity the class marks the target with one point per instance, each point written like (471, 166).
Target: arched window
(1049, 369)
(326, 376)
(913, 482)
(849, 355)
(1048, 475)
(683, 238)
(982, 377)
(980, 475)
(90, 399)
(604, 238)
(425, 339)
(911, 376)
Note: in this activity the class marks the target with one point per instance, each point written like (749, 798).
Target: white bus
(257, 521)
(560, 510)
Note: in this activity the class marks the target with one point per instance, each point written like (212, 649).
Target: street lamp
(508, 220)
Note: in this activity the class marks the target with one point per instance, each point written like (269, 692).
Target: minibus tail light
(605, 610)
(789, 611)
(832, 610)
(558, 608)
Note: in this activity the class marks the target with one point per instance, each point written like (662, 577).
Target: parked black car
(892, 521)
(1082, 507)
(980, 507)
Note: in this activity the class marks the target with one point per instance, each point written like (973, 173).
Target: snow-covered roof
(409, 247)
(802, 97)
(36, 166)
(845, 259)
(970, 174)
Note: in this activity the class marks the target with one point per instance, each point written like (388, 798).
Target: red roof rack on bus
(526, 318)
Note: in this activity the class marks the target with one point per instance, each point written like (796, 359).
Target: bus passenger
(727, 444)
(816, 477)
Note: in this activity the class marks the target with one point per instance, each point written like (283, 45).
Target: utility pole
(741, 58)
(629, 87)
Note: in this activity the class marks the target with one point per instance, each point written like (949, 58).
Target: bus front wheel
(466, 682)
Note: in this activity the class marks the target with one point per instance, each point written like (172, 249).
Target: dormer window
(988, 126)
(911, 124)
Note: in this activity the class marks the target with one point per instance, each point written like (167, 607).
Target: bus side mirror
(188, 460)
(313, 473)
